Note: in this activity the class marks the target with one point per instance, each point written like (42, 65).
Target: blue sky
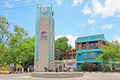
(73, 18)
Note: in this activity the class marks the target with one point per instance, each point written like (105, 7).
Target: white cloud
(109, 8)
(110, 26)
(117, 38)
(91, 21)
(118, 16)
(59, 2)
(70, 38)
(76, 2)
(56, 37)
(104, 9)
(86, 10)
(9, 4)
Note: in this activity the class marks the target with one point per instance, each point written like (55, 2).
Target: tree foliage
(4, 32)
(4, 38)
(111, 52)
(61, 46)
(15, 47)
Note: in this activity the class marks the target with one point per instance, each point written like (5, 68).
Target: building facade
(70, 54)
(44, 39)
(70, 59)
(88, 48)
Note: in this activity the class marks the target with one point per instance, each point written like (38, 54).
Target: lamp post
(57, 54)
(57, 60)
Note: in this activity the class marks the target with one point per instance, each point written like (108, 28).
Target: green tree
(21, 47)
(15, 47)
(16, 39)
(27, 46)
(4, 32)
(3, 53)
(61, 46)
(4, 39)
(110, 53)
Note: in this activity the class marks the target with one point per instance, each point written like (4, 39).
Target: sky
(73, 18)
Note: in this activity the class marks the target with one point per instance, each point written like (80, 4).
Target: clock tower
(44, 38)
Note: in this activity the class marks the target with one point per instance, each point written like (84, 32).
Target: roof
(91, 38)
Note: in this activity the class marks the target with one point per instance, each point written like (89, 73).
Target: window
(93, 45)
(92, 55)
(74, 56)
(77, 45)
(83, 45)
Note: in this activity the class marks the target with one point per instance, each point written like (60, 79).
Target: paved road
(87, 76)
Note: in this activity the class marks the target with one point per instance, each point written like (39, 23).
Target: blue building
(88, 48)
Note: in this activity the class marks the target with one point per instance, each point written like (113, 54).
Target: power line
(11, 2)
(18, 7)
(55, 2)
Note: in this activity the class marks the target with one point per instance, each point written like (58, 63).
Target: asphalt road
(87, 76)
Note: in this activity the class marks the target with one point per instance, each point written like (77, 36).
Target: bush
(106, 68)
(89, 67)
(79, 70)
(5, 68)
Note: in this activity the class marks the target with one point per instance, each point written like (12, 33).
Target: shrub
(4, 68)
(89, 66)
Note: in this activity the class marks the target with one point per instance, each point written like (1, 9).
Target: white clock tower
(44, 39)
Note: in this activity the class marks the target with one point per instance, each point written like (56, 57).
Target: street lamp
(57, 54)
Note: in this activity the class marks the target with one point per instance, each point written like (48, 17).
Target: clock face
(44, 10)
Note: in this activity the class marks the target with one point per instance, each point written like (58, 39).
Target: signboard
(44, 35)
(91, 37)
(31, 66)
(12, 65)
